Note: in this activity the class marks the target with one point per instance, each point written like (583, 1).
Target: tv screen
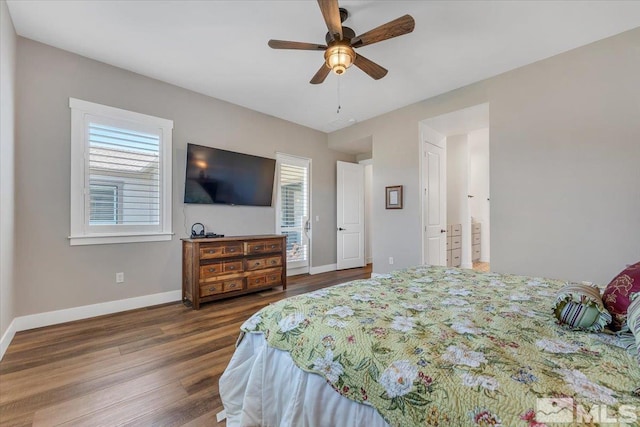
(226, 177)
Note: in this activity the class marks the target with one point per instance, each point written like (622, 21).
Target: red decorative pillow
(617, 295)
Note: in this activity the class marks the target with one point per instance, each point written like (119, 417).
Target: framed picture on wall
(394, 197)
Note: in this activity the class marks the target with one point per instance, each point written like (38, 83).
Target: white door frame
(427, 134)
(368, 215)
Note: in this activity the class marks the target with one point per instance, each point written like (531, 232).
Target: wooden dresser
(225, 267)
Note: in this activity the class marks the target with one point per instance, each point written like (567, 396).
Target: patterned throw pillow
(579, 306)
(617, 295)
(633, 321)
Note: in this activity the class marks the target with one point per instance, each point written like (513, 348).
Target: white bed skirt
(263, 387)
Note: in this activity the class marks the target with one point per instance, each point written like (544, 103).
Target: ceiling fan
(339, 51)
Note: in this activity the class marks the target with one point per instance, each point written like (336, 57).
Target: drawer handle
(233, 285)
(232, 267)
(232, 250)
(273, 277)
(211, 270)
(256, 248)
(257, 263)
(273, 246)
(212, 289)
(211, 252)
(273, 261)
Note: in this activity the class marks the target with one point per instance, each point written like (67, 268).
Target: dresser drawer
(220, 250)
(475, 227)
(475, 252)
(271, 277)
(475, 240)
(449, 242)
(456, 257)
(211, 289)
(456, 229)
(260, 263)
(221, 287)
(222, 267)
(456, 242)
(232, 285)
(263, 246)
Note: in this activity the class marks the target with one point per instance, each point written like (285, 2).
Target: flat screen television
(226, 177)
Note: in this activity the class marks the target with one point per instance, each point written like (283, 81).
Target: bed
(427, 346)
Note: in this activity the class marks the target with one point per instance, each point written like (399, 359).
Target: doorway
(292, 210)
(464, 134)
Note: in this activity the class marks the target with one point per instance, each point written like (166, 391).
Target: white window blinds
(104, 204)
(128, 163)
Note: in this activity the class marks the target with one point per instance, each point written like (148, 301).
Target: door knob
(443, 231)
(342, 229)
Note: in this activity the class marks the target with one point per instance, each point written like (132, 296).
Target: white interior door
(435, 204)
(350, 215)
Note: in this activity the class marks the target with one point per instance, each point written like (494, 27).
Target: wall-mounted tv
(226, 177)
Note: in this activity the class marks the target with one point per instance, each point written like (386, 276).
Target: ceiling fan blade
(283, 44)
(331, 14)
(322, 74)
(374, 70)
(398, 27)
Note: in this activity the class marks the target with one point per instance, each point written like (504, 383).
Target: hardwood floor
(482, 267)
(156, 366)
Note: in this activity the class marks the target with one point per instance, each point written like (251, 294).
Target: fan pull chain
(339, 107)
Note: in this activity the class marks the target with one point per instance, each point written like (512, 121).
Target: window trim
(80, 234)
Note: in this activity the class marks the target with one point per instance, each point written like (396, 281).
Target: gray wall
(52, 275)
(565, 156)
(7, 146)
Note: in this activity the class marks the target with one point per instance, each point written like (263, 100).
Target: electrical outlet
(390, 260)
(119, 277)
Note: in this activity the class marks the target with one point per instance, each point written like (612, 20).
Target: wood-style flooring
(157, 366)
(482, 267)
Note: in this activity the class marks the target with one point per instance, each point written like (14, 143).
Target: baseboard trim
(39, 320)
(7, 337)
(296, 271)
(323, 269)
(86, 311)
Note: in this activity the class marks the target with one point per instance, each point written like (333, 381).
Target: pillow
(617, 295)
(633, 321)
(579, 306)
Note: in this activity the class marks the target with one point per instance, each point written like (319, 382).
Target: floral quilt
(432, 346)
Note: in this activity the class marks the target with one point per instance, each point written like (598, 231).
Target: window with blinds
(104, 204)
(293, 208)
(131, 160)
(120, 175)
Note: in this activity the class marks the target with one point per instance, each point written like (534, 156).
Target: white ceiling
(219, 48)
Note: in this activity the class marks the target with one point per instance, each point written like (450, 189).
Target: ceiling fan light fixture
(339, 57)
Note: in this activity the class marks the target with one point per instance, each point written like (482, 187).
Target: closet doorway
(464, 135)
